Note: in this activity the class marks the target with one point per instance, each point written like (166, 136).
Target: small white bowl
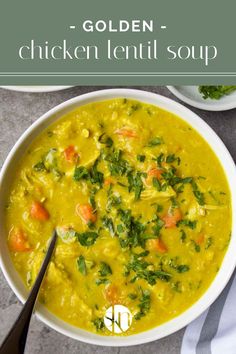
(35, 89)
(229, 261)
(191, 96)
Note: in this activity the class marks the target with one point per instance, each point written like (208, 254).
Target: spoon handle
(14, 342)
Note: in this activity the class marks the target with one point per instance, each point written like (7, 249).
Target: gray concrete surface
(17, 111)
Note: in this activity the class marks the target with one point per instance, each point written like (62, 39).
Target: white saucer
(190, 95)
(35, 88)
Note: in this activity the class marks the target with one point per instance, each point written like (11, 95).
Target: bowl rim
(229, 261)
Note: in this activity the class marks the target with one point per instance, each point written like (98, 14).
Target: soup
(142, 209)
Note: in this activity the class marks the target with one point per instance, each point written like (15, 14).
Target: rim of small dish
(214, 106)
(36, 89)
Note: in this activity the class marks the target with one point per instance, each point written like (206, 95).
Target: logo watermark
(118, 319)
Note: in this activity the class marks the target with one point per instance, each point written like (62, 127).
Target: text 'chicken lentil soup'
(142, 209)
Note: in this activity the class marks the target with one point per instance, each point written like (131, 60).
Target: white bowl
(191, 96)
(35, 89)
(229, 261)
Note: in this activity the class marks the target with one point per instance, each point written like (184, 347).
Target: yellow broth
(142, 208)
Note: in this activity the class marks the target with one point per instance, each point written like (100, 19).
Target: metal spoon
(14, 343)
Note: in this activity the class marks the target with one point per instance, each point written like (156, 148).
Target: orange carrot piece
(111, 294)
(18, 241)
(128, 133)
(86, 213)
(108, 181)
(171, 218)
(155, 172)
(70, 154)
(157, 245)
(200, 239)
(38, 212)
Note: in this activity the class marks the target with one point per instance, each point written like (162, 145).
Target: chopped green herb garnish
(122, 184)
(156, 183)
(87, 238)
(113, 201)
(160, 159)
(198, 195)
(99, 323)
(182, 235)
(116, 164)
(140, 267)
(80, 173)
(188, 223)
(174, 203)
(172, 158)
(108, 223)
(120, 229)
(155, 141)
(96, 176)
(158, 225)
(201, 177)
(92, 201)
(209, 242)
(144, 305)
(136, 183)
(196, 246)
(102, 281)
(215, 92)
(133, 230)
(159, 208)
(133, 108)
(106, 140)
(182, 268)
(176, 286)
(39, 167)
(81, 265)
(92, 175)
(141, 158)
(105, 269)
(186, 180)
(49, 164)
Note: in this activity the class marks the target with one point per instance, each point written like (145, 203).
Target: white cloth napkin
(214, 332)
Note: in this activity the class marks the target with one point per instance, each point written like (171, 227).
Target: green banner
(123, 42)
